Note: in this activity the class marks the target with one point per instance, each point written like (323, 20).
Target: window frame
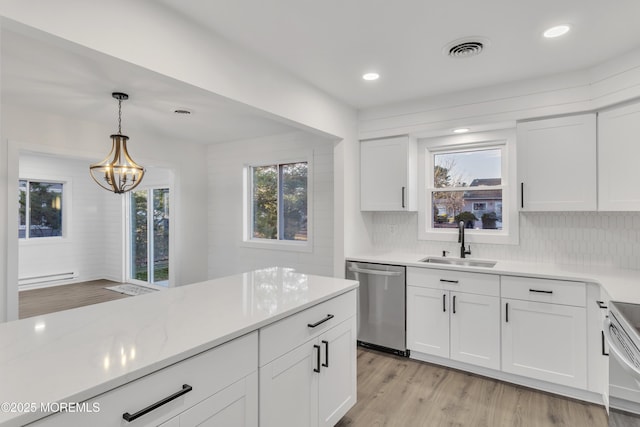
(503, 139)
(247, 233)
(65, 207)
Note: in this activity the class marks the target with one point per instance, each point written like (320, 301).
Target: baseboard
(573, 393)
(54, 283)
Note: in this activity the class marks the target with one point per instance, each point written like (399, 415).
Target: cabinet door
(337, 379)
(289, 388)
(475, 329)
(618, 153)
(557, 164)
(428, 321)
(545, 341)
(236, 405)
(384, 174)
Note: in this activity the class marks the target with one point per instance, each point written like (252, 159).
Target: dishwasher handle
(620, 354)
(375, 272)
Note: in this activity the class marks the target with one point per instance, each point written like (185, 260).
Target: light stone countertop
(620, 284)
(73, 355)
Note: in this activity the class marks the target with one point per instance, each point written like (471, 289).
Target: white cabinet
(222, 389)
(557, 164)
(428, 321)
(598, 350)
(308, 373)
(542, 336)
(618, 153)
(445, 319)
(388, 174)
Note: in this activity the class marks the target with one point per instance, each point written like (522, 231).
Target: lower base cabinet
(545, 342)
(313, 384)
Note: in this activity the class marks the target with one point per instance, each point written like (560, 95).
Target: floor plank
(396, 391)
(57, 298)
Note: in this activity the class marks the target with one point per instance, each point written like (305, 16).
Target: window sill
(471, 236)
(279, 245)
(55, 240)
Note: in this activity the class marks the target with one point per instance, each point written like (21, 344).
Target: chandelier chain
(119, 117)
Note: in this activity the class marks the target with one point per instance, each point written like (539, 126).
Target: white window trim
(426, 147)
(66, 211)
(282, 245)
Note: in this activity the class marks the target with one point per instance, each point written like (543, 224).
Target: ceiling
(47, 74)
(331, 43)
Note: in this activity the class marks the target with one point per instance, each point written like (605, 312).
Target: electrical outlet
(393, 229)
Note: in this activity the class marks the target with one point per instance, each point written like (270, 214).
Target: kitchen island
(229, 330)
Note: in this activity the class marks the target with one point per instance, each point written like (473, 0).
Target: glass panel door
(149, 236)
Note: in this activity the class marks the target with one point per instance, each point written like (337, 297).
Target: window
(467, 186)
(278, 202)
(40, 209)
(467, 179)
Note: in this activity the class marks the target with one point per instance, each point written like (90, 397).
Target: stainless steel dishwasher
(381, 305)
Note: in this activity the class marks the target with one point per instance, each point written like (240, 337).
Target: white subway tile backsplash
(578, 238)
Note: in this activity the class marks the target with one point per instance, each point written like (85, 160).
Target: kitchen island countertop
(73, 355)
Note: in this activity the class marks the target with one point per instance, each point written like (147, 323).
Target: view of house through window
(467, 186)
(39, 209)
(149, 228)
(279, 201)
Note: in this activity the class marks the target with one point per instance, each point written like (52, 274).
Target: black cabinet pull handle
(449, 281)
(538, 291)
(186, 388)
(403, 190)
(454, 304)
(506, 312)
(522, 195)
(320, 322)
(317, 347)
(601, 304)
(326, 353)
(604, 353)
(444, 303)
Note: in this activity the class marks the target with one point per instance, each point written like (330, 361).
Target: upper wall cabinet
(388, 175)
(618, 154)
(557, 164)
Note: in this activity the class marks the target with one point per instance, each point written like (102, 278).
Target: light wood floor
(57, 298)
(396, 391)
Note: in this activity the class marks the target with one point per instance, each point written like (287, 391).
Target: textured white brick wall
(578, 238)
(225, 164)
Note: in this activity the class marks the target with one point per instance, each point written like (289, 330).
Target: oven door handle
(619, 353)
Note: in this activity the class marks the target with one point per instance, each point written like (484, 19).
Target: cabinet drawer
(461, 281)
(207, 373)
(544, 290)
(280, 337)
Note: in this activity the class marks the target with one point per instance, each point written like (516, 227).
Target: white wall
(226, 162)
(577, 238)
(85, 244)
(45, 132)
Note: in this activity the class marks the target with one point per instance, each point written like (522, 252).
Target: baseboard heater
(36, 281)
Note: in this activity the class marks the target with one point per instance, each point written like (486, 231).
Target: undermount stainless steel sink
(459, 261)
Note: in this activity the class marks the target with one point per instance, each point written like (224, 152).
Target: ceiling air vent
(465, 48)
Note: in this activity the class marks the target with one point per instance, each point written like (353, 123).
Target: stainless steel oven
(622, 331)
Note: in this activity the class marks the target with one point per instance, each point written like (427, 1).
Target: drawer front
(207, 373)
(545, 290)
(280, 337)
(461, 281)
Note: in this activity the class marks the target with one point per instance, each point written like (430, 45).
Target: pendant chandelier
(118, 172)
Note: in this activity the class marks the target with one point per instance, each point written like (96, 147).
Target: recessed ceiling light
(556, 31)
(371, 76)
(461, 130)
